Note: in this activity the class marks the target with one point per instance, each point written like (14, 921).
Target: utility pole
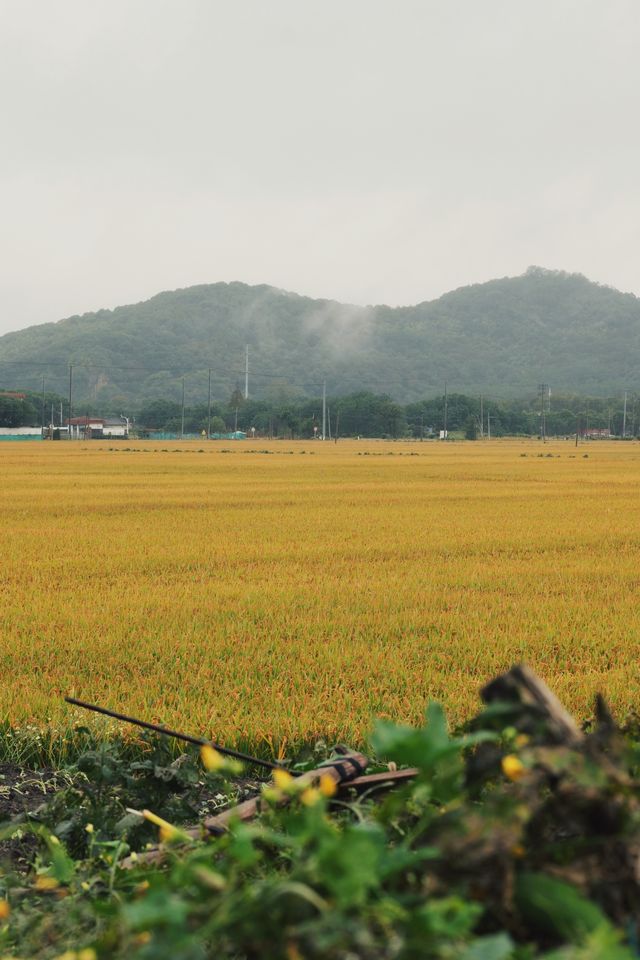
(324, 409)
(624, 417)
(43, 414)
(488, 425)
(481, 417)
(70, 397)
(182, 420)
(445, 410)
(209, 409)
(246, 372)
(422, 426)
(544, 390)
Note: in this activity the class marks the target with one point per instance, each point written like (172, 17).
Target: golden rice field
(262, 598)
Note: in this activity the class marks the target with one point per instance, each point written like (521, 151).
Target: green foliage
(105, 781)
(17, 413)
(438, 756)
(557, 907)
(455, 866)
(471, 428)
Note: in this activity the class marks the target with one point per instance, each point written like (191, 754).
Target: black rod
(199, 741)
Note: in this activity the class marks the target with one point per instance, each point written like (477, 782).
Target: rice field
(272, 593)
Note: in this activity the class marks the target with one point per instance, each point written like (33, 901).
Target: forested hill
(504, 336)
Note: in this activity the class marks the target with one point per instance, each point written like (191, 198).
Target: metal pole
(481, 417)
(209, 409)
(324, 409)
(246, 372)
(70, 395)
(198, 741)
(182, 420)
(543, 387)
(43, 406)
(445, 410)
(624, 417)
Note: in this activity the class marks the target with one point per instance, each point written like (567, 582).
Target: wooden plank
(341, 770)
(386, 779)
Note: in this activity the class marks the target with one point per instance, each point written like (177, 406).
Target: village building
(97, 428)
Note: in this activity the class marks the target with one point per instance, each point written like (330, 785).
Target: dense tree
(18, 413)
(368, 415)
(377, 415)
(158, 413)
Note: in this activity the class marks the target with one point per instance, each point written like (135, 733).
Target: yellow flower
(87, 954)
(167, 834)
(282, 779)
(328, 786)
(211, 759)
(5, 909)
(167, 830)
(89, 828)
(270, 795)
(46, 883)
(512, 767)
(310, 796)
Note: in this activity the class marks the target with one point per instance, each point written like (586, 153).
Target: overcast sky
(364, 150)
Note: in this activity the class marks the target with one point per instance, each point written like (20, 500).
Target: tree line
(363, 414)
(367, 414)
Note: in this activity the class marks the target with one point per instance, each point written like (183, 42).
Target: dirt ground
(23, 790)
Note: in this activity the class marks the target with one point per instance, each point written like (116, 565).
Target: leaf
(63, 868)
(557, 907)
(399, 859)
(422, 747)
(157, 909)
(498, 946)
(126, 823)
(350, 863)
(603, 944)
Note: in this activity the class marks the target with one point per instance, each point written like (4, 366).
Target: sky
(360, 150)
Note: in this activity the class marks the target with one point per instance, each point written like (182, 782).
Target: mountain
(502, 337)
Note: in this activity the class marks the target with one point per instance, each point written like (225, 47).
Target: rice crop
(269, 594)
